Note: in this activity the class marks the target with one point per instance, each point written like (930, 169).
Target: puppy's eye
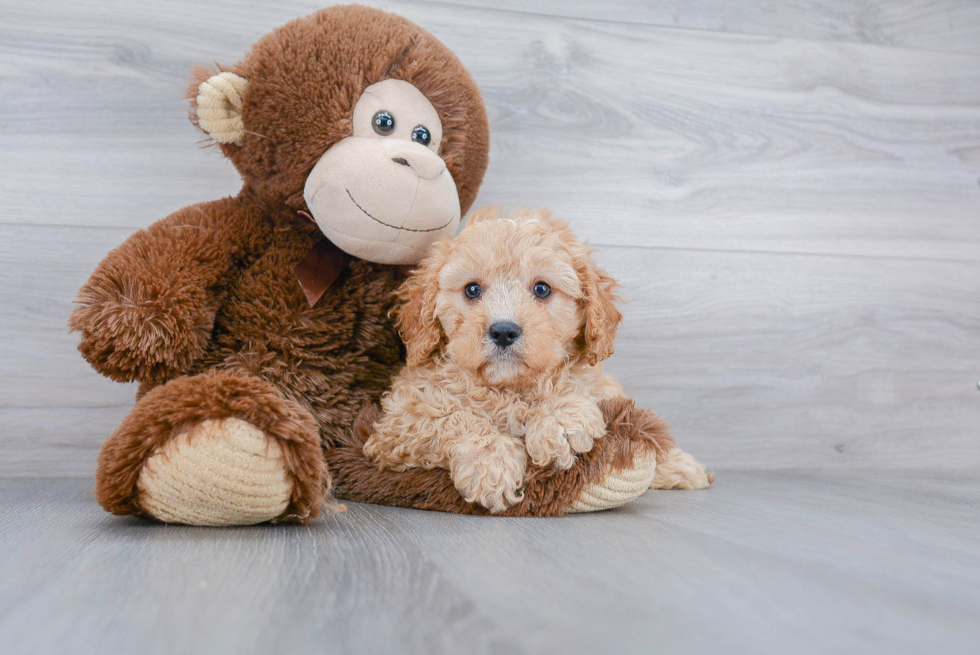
(421, 135)
(383, 123)
(541, 290)
(472, 291)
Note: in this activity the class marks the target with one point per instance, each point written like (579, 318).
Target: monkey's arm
(147, 311)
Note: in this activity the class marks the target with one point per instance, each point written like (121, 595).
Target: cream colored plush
(219, 107)
(385, 198)
(618, 487)
(218, 473)
(679, 470)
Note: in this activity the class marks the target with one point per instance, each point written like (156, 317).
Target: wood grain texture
(815, 361)
(794, 210)
(761, 563)
(668, 137)
(942, 25)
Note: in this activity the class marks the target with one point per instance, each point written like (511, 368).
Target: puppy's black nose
(504, 333)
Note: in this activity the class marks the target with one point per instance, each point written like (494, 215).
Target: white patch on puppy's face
(384, 194)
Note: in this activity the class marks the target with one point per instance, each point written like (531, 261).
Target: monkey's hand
(148, 310)
(141, 329)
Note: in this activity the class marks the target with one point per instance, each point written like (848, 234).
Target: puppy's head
(510, 299)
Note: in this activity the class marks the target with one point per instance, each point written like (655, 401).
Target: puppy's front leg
(557, 428)
(486, 466)
(406, 437)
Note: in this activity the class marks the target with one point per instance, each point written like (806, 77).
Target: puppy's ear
(417, 320)
(601, 316)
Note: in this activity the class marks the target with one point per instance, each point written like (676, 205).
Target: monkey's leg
(619, 468)
(220, 448)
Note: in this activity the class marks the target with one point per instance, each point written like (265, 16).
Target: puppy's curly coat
(506, 327)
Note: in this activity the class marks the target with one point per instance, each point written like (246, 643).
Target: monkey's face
(359, 118)
(384, 194)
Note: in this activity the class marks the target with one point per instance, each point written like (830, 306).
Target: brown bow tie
(323, 265)
(320, 268)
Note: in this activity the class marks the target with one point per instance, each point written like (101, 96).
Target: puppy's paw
(546, 441)
(583, 425)
(380, 453)
(558, 435)
(491, 475)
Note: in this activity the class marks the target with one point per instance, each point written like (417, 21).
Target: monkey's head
(358, 117)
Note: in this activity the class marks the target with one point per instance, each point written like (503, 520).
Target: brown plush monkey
(258, 326)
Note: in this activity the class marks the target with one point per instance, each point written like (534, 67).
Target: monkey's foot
(219, 448)
(618, 487)
(219, 472)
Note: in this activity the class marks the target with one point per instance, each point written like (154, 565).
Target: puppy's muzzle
(504, 333)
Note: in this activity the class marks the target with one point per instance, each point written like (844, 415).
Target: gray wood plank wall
(788, 192)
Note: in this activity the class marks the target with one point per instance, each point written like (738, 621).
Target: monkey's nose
(504, 333)
(420, 159)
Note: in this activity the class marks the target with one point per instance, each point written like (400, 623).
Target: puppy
(505, 328)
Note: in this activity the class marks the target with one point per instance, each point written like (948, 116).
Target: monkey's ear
(218, 107)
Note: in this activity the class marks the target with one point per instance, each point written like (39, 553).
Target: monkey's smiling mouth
(394, 227)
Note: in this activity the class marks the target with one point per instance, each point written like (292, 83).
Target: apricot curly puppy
(505, 327)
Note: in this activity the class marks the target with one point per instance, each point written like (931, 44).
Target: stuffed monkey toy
(258, 325)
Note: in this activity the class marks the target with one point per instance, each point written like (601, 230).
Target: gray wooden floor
(773, 562)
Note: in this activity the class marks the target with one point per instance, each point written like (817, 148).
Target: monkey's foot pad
(618, 487)
(218, 473)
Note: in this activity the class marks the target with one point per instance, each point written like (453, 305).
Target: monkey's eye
(541, 290)
(472, 291)
(383, 122)
(421, 135)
